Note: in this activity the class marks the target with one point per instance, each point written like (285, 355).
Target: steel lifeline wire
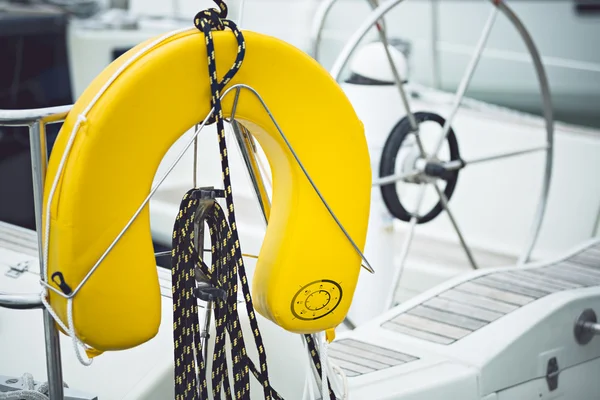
(227, 268)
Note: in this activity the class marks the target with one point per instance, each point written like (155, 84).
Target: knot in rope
(213, 17)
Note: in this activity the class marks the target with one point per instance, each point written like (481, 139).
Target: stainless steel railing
(36, 120)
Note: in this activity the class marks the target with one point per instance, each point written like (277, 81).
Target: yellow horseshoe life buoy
(307, 269)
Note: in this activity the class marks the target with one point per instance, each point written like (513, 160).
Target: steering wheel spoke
(461, 238)
(499, 156)
(466, 79)
(414, 220)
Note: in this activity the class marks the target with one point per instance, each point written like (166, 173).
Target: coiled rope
(29, 391)
(227, 267)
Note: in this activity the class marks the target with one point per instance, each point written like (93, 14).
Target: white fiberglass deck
(125, 375)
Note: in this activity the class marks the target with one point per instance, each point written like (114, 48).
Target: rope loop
(206, 21)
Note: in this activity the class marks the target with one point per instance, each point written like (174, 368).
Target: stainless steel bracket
(16, 271)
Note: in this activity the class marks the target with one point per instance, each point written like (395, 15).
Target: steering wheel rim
(379, 12)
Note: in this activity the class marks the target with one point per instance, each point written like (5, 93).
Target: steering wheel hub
(409, 164)
(429, 171)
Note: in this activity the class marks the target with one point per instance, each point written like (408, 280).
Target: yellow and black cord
(227, 267)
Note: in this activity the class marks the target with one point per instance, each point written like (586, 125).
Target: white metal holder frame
(36, 120)
(376, 18)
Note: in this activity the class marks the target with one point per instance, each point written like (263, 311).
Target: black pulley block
(210, 293)
(387, 166)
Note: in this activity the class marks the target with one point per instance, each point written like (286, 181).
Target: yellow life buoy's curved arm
(307, 269)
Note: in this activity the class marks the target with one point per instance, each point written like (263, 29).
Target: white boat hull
(436, 345)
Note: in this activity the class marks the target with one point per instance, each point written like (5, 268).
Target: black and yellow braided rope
(314, 355)
(227, 267)
(226, 271)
